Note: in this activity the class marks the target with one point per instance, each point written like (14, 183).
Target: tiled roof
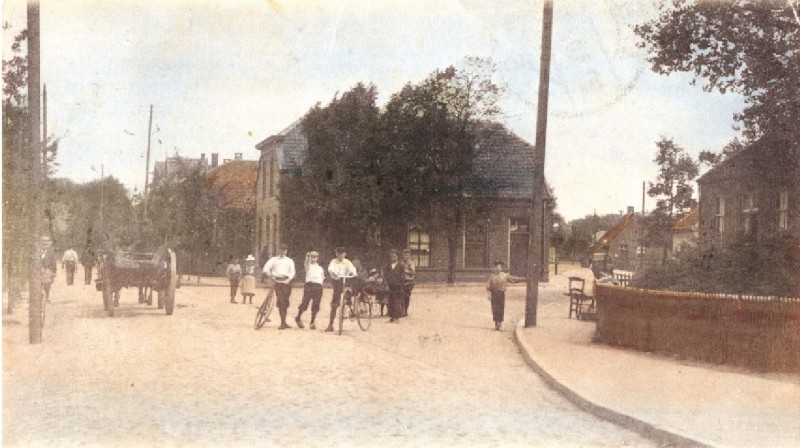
(234, 182)
(503, 165)
(756, 161)
(613, 233)
(688, 223)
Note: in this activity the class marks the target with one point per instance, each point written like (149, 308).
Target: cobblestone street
(205, 377)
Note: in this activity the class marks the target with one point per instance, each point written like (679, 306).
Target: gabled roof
(612, 234)
(503, 165)
(688, 223)
(756, 161)
(234, 183)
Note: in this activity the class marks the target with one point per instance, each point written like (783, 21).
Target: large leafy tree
(338, 182)
(430, 133)
(673, 189)
(745, 46)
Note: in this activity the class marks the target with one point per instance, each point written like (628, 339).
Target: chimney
(203, 159)
(224, 161)
(630, 209)
(214, 159)
(237, 156)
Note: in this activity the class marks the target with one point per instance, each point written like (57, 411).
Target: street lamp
(556, 238)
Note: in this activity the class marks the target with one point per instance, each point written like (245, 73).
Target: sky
(224, 75)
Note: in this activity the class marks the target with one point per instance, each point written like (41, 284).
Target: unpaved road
(205, 377)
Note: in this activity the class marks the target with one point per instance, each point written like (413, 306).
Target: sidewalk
(679, 402)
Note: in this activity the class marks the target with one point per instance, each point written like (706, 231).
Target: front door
(518, 264)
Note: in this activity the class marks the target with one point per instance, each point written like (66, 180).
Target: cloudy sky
(224, 75)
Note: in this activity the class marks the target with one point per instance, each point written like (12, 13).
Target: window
(272, 176)
(783, 210)
(263, 178)
(748, 214)
(518, 225)
(622, 251)
(419, 243)
(719, 216)
(475, 246)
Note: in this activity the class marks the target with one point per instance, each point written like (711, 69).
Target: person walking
(88, 261)
(280, 269)
(409, 270)
(340, 268)
(497, 292)
(69, 261)
(312, 289)
(48, 265)
(248, 279)
(393, 273)
(234, 273)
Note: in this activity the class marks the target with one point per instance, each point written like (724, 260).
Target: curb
(643, 428)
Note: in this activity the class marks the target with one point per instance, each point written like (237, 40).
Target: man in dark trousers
(87, 260)
(393, 275)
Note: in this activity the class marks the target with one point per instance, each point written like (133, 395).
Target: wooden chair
(576, 296)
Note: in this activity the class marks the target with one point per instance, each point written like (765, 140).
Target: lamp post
(556, 242)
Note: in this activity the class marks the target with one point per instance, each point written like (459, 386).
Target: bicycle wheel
(262, 316)
(363, 308)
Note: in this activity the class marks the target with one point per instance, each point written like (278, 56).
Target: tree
(744, 46)
(338, 182)
(431, 131)
(674, 189)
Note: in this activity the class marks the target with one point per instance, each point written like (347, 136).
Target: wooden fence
(761, 333)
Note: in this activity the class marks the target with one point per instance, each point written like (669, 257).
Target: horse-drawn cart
(146, 271)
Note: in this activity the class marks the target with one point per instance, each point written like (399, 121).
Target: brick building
(501, 158)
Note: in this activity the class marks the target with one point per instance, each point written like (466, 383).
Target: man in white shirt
(69, 261)
(280, 268)
(340, 268)
(312, 289)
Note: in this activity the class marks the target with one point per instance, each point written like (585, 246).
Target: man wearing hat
(340, 268)
(312, 289)
(280, 268)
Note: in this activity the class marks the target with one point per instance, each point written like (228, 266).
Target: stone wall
(754, 332)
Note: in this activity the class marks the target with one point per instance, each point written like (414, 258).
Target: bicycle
(262, 315)
(358, 306)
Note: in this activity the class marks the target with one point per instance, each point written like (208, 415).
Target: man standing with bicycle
(340, 268)
(280, 268)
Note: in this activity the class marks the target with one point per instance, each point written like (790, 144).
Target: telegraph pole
(536, 238)
(147, 168)
(35, 184)
(44, 132)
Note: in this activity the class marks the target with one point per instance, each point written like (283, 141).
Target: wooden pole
(535, 240)
(44, 132)
(147, 168)
(34, 193)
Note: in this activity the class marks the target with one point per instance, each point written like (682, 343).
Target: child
(497, 292)
(249, 279)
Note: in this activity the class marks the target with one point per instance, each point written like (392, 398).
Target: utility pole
(44, 132)
(147, 168)
(536, 241)
(35, 184)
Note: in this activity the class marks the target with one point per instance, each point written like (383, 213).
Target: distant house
(752, 196)
(501, 159)
(233, 184)
(685, 231)
(622, 245)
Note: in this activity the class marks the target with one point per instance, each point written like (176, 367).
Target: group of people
(397, 274)
(69, 262)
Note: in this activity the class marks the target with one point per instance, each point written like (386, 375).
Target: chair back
(576, 284)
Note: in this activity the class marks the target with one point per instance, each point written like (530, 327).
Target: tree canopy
(751, 47)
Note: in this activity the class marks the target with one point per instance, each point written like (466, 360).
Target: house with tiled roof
(621, 246)
(685, 231)
(752, 196)
(233, 184)
(502, 172)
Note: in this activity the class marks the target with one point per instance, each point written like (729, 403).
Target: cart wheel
(169, 294)
(108, 294)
